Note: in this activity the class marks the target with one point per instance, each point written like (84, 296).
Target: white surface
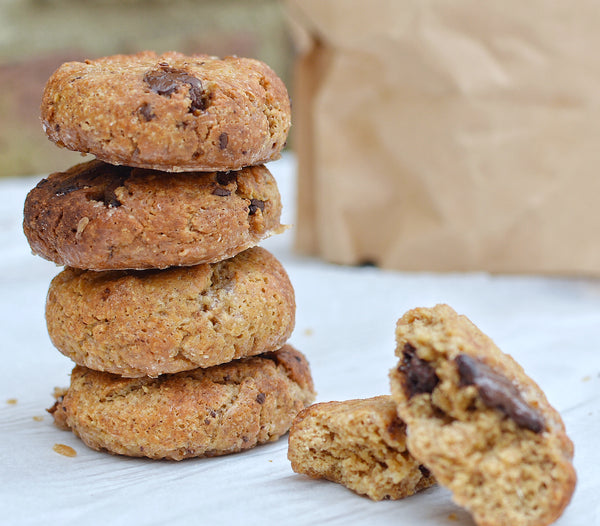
(345, 326)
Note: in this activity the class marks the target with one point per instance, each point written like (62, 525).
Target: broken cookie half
(360, 444)
(481, 426)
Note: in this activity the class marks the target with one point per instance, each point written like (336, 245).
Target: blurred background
(427, 136)
(36, 36)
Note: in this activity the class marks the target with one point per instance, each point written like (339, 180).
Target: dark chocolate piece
(225, 178)
(222, 192)
(424, 471)
(167, 80)
(498, 392)
(255, 204)
(419, 376)
(223, 140)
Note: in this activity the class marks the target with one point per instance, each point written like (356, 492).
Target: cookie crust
(200, 413)
(102, 217)
(168, 112)
(360, 444)
(147, 323)
(479, 423)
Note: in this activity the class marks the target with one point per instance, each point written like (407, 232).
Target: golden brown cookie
(169, 112)
(203, 412)
(360, 444)
(102, 217)
(138, 323)
(479, 423)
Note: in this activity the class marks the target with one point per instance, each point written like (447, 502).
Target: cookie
(204, 412)
(360, 444)
(151, 322)
(169, 112)
(479, 423)
(102, 217)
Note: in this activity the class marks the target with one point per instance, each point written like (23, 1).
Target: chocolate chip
(261, 397)
(225, 178)
(108, 197)
(222, 192)
(498, 392)
(396, 428)
(167, 80)
(419, 376)
(223, 140)
(256, 204)
(424, 471)
(145, 111)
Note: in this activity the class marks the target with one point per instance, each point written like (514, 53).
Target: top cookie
(169, 112)
(479, 423)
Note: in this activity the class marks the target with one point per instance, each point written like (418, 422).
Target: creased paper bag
(449, 136)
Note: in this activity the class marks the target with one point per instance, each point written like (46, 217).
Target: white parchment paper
(345, 325)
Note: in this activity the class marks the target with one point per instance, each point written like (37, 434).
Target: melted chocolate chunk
(223, 140)
(256, 204)
(225, 178)
(419, 376)
(167, 80)
(261, 397)
(93, 180)
(221, 192)
(498, 392)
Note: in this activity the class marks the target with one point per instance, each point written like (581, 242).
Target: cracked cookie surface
(102, 217)
(479, 423)
(169, 112)
(203, 412)
(138, 323)
(360, 444)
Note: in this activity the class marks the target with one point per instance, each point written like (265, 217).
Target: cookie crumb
(586, 378)
(12, 401)
(64, 450)
(308, 332)
(453, 517)
(38, 418)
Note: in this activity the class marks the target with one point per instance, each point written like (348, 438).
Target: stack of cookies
(176, 320)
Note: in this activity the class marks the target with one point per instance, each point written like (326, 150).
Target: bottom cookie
(204, 412)
(360, 444)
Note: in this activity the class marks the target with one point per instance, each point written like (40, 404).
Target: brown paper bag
(449, 136)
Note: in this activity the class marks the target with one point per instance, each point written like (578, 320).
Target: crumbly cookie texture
(479, 423)
(203, 412)
(102, 217)
(169, 112)
(360, 444)
(147, 323)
